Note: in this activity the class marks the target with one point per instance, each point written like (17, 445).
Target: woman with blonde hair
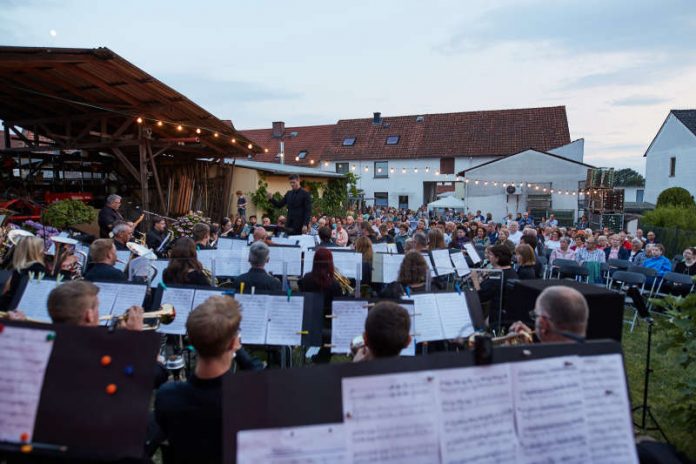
(526, 261)
(436, 239)
(28, 256)
(411, 279)
(363, 245)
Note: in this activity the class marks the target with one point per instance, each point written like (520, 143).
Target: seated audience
(340, 235)
(590, 253)
(325, 238)
(563, 251)
(257, 278)
(616, 250)
(387, 332)
(27, 257)
(655, 260)
(687, 266)
(102, 253)
(184, 267)
(636, 255)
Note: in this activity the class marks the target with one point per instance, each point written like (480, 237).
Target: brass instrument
(165, 315)
(513, 338)
(343, 282)
(9, 315)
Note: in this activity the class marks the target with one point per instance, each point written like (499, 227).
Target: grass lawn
(662, 381)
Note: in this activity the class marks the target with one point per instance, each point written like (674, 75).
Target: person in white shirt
(552, 222)
(554, 241)
(515, 234)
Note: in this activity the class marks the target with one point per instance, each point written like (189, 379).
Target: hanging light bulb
(140, 120)
(427, 169)
(476, 182)
(250, 146)
(504, 184)
(529, 185)
(198, 131)
(265, 150)
(365, 168)
(379, 170)
(216, 135)
(403, 170)
(457, 179)
(437, 173)
(391, 170)
(544, 190)
(297, 158)
(326, 164)
(179, 127)
(536, 188)
(233, 140)
(495, 184)
(466, 180)
(485, 183)
(415, 170)
(311, 161)
(353, 167)
(159, 124)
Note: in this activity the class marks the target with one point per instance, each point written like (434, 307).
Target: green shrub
(67, 213)
(679, 217)
(675, 196)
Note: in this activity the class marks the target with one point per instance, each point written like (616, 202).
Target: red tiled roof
(314, 139)
(474, 133)
(444, 188)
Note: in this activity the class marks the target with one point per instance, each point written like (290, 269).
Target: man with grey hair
(420, 242)
(560, 316)
(109, 215)
(257, 277)
(637, 255)
(123, 232)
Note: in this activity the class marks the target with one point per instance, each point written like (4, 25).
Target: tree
(629, 178)
(675, 196)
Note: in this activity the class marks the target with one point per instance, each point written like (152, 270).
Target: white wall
(529, 166)
(631, 193)
(407, 183)
(575, 150)
(673, 140)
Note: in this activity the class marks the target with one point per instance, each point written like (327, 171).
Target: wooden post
(156, 175)
(6, 130)
(145, 195)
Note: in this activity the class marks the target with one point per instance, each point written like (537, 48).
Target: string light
(160, 123)
(198, 131)
(403, 170)
(311, 161)
(216, 136)
(233, 140)
(427, 169)
(415, 170)
(365, 169)
(485, 183)
(353, 167)
(391, 170)
(250, 146)
(265, 150)
(379, 170)
(179, 128)
(140, 120)
(476, 182)
(504, 184)
(297, 158)
(326, 164)
(437, 173)
(466, 180)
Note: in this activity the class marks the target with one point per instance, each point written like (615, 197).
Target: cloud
(222, 91)
(639, 100)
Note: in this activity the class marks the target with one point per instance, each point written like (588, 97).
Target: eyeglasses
(534, 316)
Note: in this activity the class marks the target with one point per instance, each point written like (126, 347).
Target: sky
(618, 66)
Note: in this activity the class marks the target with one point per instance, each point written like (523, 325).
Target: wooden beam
(156, 175)
(104, 86)
(124, 159)
(144, 193)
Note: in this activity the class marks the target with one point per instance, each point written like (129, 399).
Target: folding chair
(544, 265)
(557, 265)
(575, 271)
(650, 276)
(620, 264)
(674, 280)
(627, 279)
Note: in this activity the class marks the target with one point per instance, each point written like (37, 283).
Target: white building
(671, 156)
(406, 161)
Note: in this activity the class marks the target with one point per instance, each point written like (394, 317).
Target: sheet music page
(229, 262)
(206, 258)
(107, 296)
(608, 410)
(390, 267)
(454, 315)
(35, 298)
(285, 320)
(460, 264)
(307, 262)
(284, 241)
(160, 265)
(473, 254)
(254, 318)
(199, 296)
(443, 264)
(182, 300)
(279, 255)
(348, 263)
(477, 415)
(24, 355)
(348, 323)
(429, 262)
(392, 418)
(225, 243)
(380, 248)
(305, 241)
(428, 324)
(312, 444)
(127, 296)
(123, 257)
(410, 350)
(550, 412)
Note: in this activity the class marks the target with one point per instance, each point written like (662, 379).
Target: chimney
(377, 118)
(278, 129)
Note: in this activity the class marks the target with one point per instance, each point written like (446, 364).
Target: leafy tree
(675, 196)
(68, 213)
(260, 199)
(629, 178)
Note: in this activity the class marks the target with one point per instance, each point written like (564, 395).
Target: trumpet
(165, 315)
(9, 315)
(514, 338)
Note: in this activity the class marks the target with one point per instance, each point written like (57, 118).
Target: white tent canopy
(447, 202)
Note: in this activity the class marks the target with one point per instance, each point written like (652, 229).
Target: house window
(392, 140)
(403, 201)
(349, 141)
(672, 166)
(302, 155)
(381, 169)
(446, 165)
(381, 199)
(639, 196)
(342, 168)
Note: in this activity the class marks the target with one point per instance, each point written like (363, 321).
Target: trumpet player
(103, 255)
(560, 316)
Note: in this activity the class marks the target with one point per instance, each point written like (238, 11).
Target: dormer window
(302, 155)
(392, 140)
(349, 141)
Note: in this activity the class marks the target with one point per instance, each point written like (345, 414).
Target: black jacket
(154, 239)
(107, 217)
(623, 253)
(259, 279)
(101, 272)
(299, 203)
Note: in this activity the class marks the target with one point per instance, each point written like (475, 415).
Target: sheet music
(160, 265)
(390, 267)
(392, 418)
(473, 254)
(477, 415)
(348, 263)
(225, 243)
(182, 300)
(229, 262)
(284, 241)
(454, 315)
(410, 350)
(307, 262)
(285, 320)
(426, 256)
(107, 296)
(199, 296)
(35, 298)
(460, 264)
(607, 410)
(279, 255)
(127, 296)
(428, 324)
(443, 264)
(24, 355)
(348, 323)
(305, 241)
(123, 257)
(207, 257)
(380, 248)
(549, 411)
(312, 444)
(254, 327)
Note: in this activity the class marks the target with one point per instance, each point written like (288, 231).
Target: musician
(500, 257)
(109, 215)
(363, 245)
(123, 232)
(249, 227)
(257, 277)
(28, 256)
(184, 267)
(387, 332)
(325, 238)
(102, 253)
(201, 236)
(560, 316)
(190, 413)
(299, 204)
(225, 227)
(412, 274)
(260, 235)
(157, 235)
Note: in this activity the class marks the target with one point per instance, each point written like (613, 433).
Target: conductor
(299, 205)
